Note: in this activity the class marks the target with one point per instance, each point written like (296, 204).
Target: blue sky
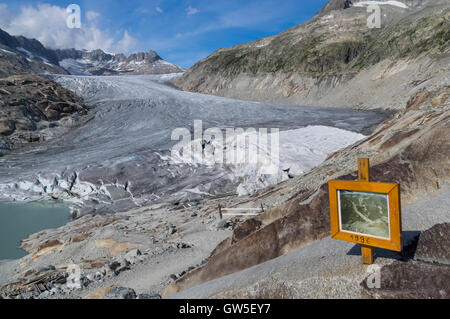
(181, 31)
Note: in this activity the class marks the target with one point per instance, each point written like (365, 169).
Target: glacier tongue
(121, 157)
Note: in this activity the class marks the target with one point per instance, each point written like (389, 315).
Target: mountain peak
(30, 54)
(336, 5)
(97, 62)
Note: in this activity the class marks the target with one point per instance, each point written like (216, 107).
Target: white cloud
(92, 15)
(191, 11)
(5, 16)
(127, 43)
(159, 10)
(47, 23)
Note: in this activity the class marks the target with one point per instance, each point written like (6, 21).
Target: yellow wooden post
(367, 255)
(364, 176)
(363, 170)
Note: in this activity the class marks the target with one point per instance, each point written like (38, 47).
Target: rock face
(434, 245)
(427, 276)
(336, 5)
(335, 59)
(97, 62)
(31, 106)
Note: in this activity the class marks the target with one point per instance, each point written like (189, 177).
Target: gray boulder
(411, 280)
(132, 255)
(434, 245)
(222, 224)
(121, 293)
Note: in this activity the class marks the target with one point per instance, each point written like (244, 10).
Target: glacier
(120, 157)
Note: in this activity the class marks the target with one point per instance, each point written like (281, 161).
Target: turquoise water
(19, 220)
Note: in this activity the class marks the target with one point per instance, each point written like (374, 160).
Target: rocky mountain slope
(33, 108)
(19, 55)
(335, 59)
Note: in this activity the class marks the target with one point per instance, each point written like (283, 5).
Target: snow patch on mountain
(389, 2)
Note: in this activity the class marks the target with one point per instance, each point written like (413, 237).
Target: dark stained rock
(434, 245)
(118, 267)
(173, 277)
(183, 245)
(113, 266)
(411, 280)
(245, 229)
(223, 224)
(121, 293)
(427, 276)
(6, 126)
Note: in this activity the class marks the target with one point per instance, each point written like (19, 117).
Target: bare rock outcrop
(31, 106)
(434, 245)
(427, 276)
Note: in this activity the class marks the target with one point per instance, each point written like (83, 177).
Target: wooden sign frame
(395, 228)
(395, 241)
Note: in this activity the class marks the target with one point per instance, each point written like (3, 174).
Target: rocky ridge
(97, 62)
(20, 55)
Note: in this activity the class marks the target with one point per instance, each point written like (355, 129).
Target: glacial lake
(19, 220)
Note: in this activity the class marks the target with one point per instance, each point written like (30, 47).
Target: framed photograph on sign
(366, 213)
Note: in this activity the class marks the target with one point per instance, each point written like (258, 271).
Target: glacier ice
(121, 157)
